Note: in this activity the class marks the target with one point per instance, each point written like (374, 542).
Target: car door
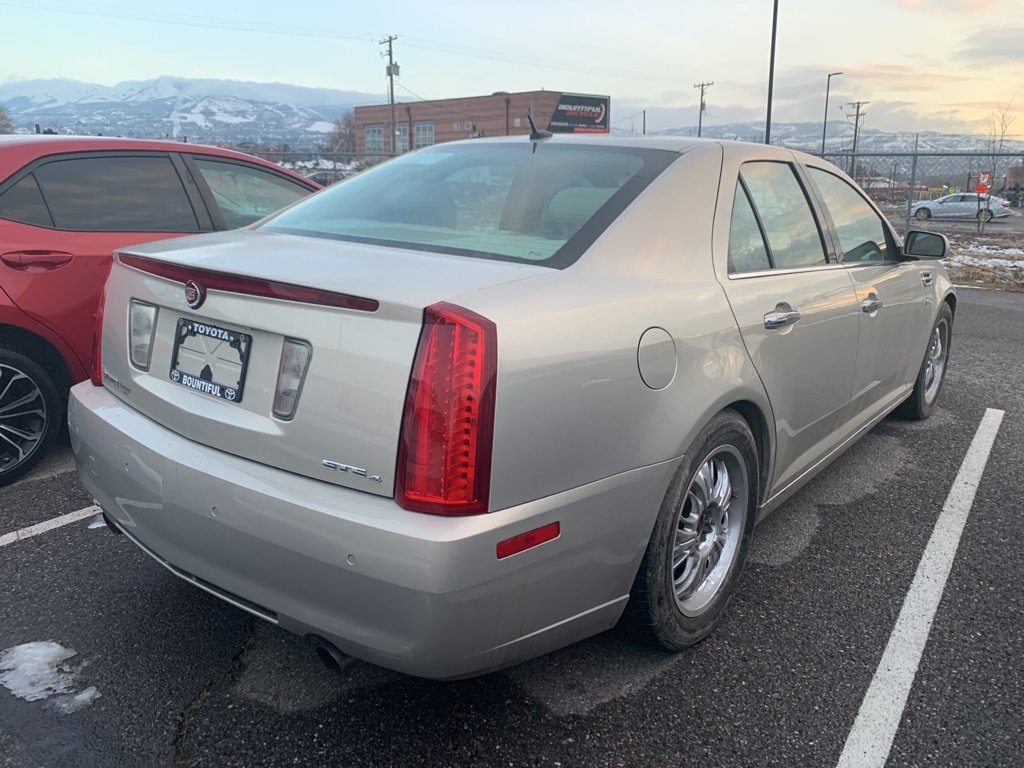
(891, 297)
(947, 207)
(796, 310)
(66, 213)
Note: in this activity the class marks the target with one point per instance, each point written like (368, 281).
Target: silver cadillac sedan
(483, 400)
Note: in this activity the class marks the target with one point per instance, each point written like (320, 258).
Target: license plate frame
(199, 343)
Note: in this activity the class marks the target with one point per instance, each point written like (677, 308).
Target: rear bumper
(420, 594)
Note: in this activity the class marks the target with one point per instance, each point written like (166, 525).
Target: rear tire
(30, 414)
(984, 215)
(923, 214)
(930, 377)
(699, 545)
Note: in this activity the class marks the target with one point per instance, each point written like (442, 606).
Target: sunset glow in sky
(942, 65)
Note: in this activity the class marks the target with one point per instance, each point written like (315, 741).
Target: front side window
(860, 229)
(133, 193)
(245, 194)
(491, 201)
(374, 139)
(793, 236)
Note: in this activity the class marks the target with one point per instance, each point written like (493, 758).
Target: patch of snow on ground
(74, 702)
(993, 250)
(965, 260)
(34, 671)
(97, 522)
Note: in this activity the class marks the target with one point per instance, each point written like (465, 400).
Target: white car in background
(960, 206)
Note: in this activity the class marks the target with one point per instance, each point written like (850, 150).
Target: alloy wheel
(22, 417)
(935, 362)
(709, 529)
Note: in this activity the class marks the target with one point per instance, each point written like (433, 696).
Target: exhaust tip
(329, 655)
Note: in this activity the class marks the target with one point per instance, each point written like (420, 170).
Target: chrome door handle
(871, 304)
(782, 316)
(926, 278)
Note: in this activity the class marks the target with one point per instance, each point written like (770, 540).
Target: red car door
(78, 208)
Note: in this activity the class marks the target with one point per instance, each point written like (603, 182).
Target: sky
(942, 65)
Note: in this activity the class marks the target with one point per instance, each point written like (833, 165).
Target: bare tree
(998, 129)
(342, 138)
(6, 126)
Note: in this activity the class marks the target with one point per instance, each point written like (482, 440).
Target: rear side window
(794, 239)
(116, 194)
(244, 194)
(747, 252)
(24, 202)
(500, 201)
(861, 232)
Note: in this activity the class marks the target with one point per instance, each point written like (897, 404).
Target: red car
(65, 204)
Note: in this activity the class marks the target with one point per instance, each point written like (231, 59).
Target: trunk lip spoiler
(251, 286)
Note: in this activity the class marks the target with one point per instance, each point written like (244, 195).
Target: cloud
(993, 46)
(948, 6)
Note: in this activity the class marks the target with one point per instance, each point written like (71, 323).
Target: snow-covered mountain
(207, 111)
(239, 113)
(807, 136)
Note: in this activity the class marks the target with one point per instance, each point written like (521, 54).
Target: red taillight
(444, 451)
(97, 343)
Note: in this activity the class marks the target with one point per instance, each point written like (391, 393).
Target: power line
(195, 21)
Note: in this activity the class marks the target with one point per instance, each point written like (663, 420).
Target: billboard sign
(580, 114)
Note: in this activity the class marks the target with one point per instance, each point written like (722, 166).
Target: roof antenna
(536, 137)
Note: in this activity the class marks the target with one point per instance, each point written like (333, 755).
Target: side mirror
(925, 245)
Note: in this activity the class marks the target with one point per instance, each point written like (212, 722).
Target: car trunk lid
(214, 367)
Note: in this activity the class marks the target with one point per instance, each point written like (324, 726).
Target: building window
(402, 137)
(374, 136)
(424, 134)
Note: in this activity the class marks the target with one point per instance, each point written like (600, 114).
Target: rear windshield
(489, 200)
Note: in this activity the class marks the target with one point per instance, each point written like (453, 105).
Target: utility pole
(856, 133)
(700, 112)
(392, 70)
(645, 123)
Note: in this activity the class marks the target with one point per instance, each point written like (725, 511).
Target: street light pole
(824, 127)
(771, 75)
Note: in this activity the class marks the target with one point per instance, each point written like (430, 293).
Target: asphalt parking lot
(164, 674)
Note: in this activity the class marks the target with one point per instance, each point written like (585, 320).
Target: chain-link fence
(897, 181)
(890, 178)
(908, 188)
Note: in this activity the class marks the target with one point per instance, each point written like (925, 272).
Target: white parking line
(49, 525)
(880, 713)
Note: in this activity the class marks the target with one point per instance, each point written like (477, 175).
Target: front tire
(700, 540)
(30, 414)
(922, 214)
(930, 377)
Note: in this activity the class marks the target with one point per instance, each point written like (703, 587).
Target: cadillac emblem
(195, 294)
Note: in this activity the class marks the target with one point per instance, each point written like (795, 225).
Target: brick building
(500, 114)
